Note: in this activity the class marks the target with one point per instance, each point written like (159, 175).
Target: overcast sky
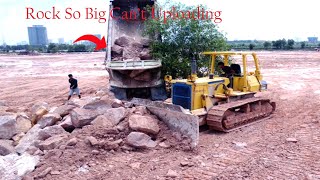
(242, 19)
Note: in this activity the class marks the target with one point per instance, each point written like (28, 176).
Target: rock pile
(92, 125)
(126, 48)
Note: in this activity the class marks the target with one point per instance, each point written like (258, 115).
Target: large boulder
(144, 124)
(115, 115)
(66, 124)
(131, 53)
(82, 117)
(49, 120)
(30, 139)
(40, 105)
(102, 121)
(52, 142)
(123, 41)
(99, 106)
(51, 131)
(23, 123)
(14, 167)
(35, 135)
(116, 51)
(64, 110)
(6, 147)
(145, 42)
(140, 140)
(81, 102)
(145, 54)
(8, 126)
(38, 115)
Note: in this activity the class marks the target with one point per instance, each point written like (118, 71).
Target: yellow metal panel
(253, 84)
(198, 91)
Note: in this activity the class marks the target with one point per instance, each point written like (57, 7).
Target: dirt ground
(258, 151)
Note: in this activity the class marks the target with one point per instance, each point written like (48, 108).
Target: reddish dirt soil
(258, 151)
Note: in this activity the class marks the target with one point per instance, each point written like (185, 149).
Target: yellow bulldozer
(223, 102)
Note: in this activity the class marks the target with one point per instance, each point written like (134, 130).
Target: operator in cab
(224, 71)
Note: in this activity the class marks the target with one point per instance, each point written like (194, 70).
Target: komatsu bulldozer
(223, 102)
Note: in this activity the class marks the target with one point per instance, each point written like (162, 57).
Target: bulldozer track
(231, 116)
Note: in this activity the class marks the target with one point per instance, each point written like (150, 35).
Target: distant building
(312, 39)
(37, 35)
(61, 40)
(22, 43)
(98, 35)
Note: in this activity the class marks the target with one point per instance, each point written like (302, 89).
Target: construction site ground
(284, 146)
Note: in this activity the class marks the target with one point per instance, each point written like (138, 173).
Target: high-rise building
(61, 40)
(38, 35)
(312, 39)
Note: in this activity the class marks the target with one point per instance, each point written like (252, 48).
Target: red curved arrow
(100, 43)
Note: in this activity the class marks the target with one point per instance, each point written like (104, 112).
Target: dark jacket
(73, 83)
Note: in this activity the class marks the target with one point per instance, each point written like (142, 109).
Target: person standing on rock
(73, 87)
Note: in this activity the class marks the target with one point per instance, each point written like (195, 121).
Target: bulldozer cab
(240, 78)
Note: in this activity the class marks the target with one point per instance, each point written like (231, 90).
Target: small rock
(55, 173)
(6, 147)
(91, 140)
(72, 142)
(240, 144)
(144, 124)
(184, 163)
(32, 149)
(117, 103)
(141, 110)
(38, 153)
(172, 173)
(17, 138)
(113, 145)
(44, 173)
(95, 152)
(120, 128)
(135, 165)
(140, 140)
(52, 142)
(128, 105)
(293, 140)
(164, 145)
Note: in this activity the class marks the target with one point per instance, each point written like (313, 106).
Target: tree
(303, 45)
(178, 41)
(251, 46)
(267, 45)
(52, 48)
(290, 43)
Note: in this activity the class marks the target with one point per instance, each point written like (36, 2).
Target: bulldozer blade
(176, 118)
